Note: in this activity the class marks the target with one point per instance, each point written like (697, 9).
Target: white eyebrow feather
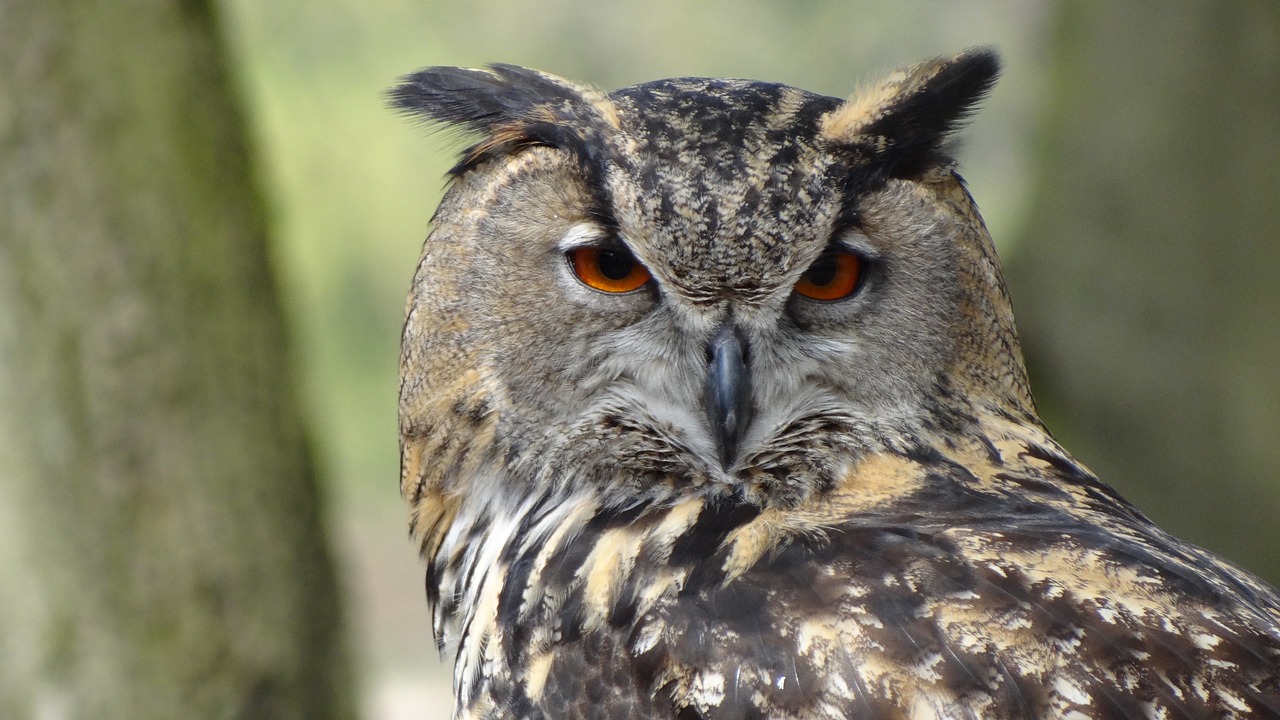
(580, 234)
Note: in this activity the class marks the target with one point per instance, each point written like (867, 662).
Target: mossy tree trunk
(161, 544)
(1147, 283)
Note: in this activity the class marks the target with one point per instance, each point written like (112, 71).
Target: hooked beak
(727, 394)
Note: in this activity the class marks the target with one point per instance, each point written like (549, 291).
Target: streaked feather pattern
(894, 535)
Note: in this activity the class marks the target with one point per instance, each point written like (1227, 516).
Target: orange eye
(835, 275)
(611, 271)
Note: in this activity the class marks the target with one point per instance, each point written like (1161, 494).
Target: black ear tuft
(510, 106)
(479, 99)
(904, 122)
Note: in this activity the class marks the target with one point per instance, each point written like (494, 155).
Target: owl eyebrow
(550, 133)
(588, 234)
(841, 239)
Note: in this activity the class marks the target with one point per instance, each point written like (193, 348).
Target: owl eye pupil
(822, 272)
(616, 265)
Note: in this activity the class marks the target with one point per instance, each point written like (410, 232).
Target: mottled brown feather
(896, 534)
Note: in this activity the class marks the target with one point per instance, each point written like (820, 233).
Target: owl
(712, 406)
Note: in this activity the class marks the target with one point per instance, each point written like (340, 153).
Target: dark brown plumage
(725, 494)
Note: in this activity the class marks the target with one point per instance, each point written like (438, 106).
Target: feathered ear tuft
(511, 106)
(903, 122)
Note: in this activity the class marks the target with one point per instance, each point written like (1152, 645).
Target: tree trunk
(1148, 280)
(161, 544)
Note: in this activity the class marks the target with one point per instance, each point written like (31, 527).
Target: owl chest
(634, 617)
(868, 622)
(591, 642)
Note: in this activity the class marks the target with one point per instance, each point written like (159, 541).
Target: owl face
(701, 282)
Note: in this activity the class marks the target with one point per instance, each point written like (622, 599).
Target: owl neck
(507, 568)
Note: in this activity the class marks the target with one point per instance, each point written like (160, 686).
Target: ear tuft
(903, 122)
(510, 106)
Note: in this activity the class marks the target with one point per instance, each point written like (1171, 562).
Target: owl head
(695, 285)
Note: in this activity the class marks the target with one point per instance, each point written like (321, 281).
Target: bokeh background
(1127, 166)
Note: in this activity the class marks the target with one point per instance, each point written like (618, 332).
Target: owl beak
(727, 395)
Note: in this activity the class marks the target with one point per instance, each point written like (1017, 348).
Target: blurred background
(210, 219)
